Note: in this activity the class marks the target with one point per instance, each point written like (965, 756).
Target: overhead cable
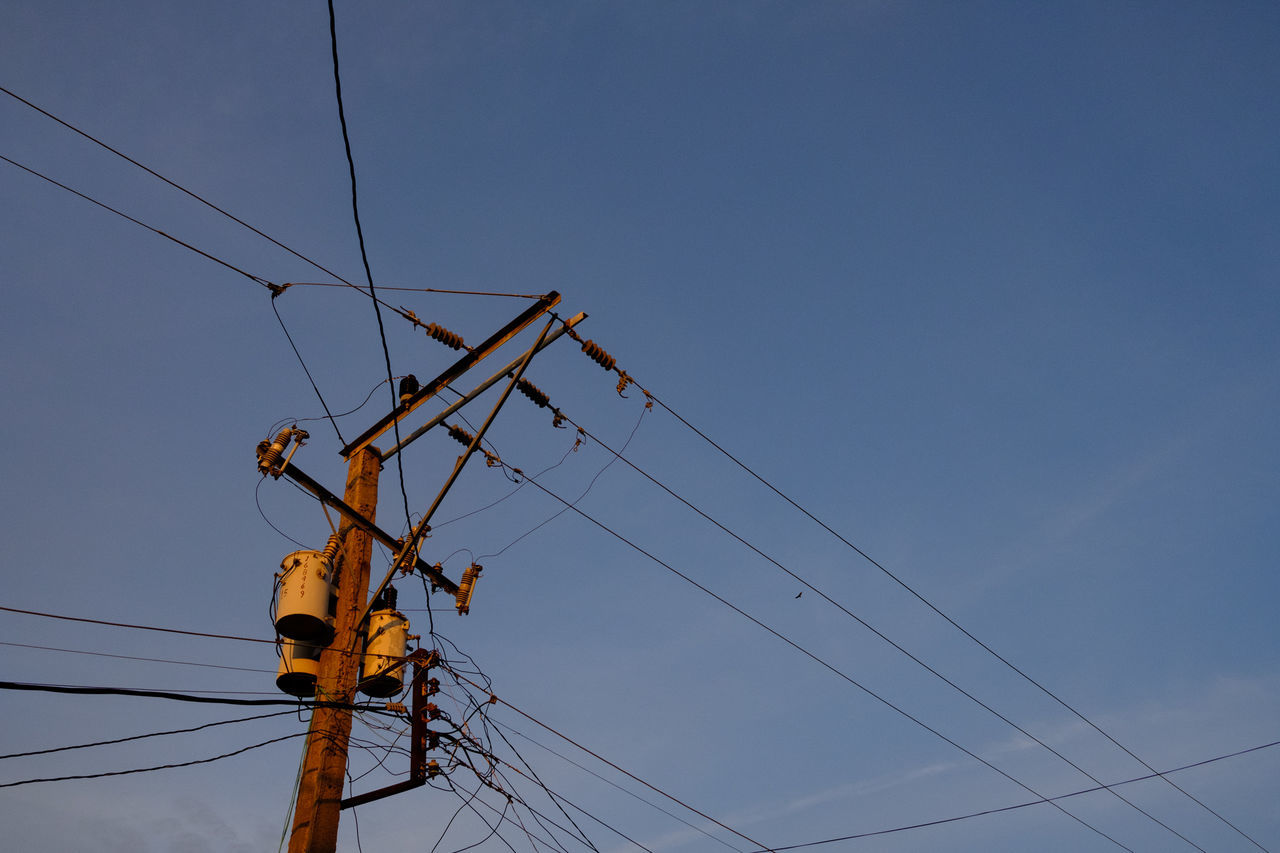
(143, 737)
(154, 768)
(256, 279)
(608, 362)
(83, 690)
(173, 184)
(1082, 792)
(364, 255)
(829, 666)
(617, 454)
(136, 627)
(133, 657)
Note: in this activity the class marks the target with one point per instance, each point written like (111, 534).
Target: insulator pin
(598, 355)
(444, 336)
(533, 392)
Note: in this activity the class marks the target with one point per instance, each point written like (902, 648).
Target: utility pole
(324, 768)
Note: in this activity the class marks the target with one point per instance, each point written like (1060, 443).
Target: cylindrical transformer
(299, 664)
(302, 607)
(382, 670)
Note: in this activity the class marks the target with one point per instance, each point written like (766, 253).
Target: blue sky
(989, 288)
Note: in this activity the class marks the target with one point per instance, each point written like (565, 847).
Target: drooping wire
(576, 500)
(257, 499)
(275, 428)
(355, 818)
(310, 379)
(364, 256)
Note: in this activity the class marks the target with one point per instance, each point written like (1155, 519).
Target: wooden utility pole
(315, 815)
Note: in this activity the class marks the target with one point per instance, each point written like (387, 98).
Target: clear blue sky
(990, 288)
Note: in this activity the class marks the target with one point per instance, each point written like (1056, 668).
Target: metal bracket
(419, 770)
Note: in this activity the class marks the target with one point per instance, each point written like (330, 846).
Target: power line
(596, 353)
(610, 782)
(416, 289)
(831, 667)
(493, 699)
(617, 454)
(154, 768)
(154, 230)
(364, 255)
(173, 184)
(143, 737)
(953, 622)
(133, 657)
(136, 627)
(82, 690)
(1152, 775)
(305, 370)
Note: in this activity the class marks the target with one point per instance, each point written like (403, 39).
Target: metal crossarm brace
(459, 367)
(482, 387)
(425, 523)
(436, 576)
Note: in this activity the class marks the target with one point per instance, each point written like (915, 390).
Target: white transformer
(302, 606)
(382, 670)
(299, 665)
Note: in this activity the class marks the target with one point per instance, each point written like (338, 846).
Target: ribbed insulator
(460, 435)
(533, 392)
(268, 459)
(466, 587)
(331, 549)
(598, 355)
(444, 336)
